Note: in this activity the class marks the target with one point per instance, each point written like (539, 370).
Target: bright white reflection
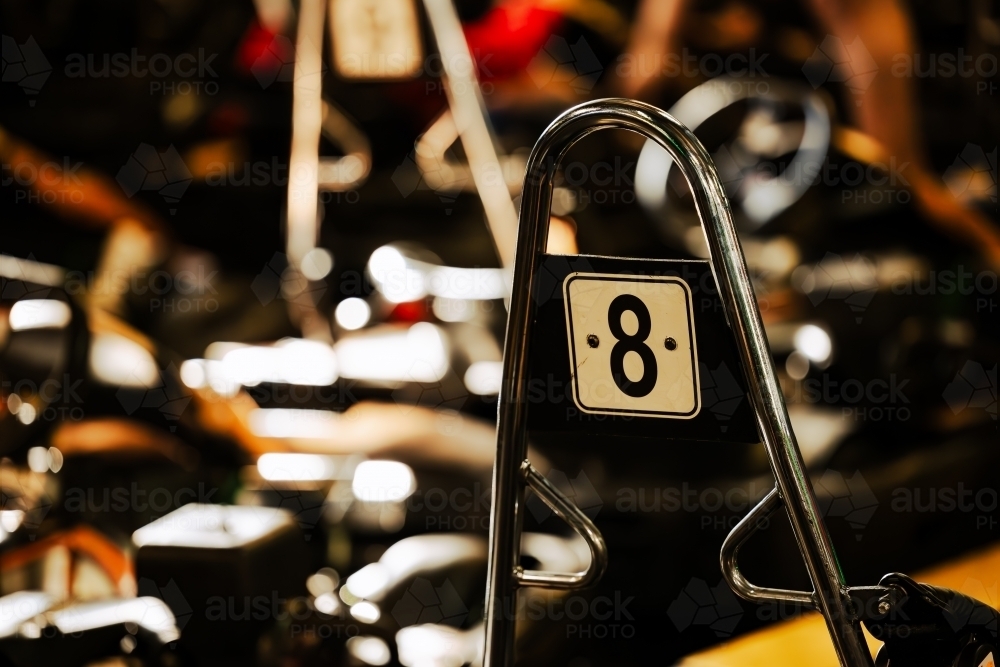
(385, 260)
(369, 650)
(396, 280)
(194, 374)
(366, 612)
(27, 413)
(22, 606)
(38, 459)
(814, 343)
(202, 373)
(324, 581)
(44, 459)
(451, 282)
(391, 354)
(433, 645)
(39, 314)
(29, 270)
(383, 481)
(369, 581)
(149, 612)
(400, 278)
(280, 467)
(292, 423)
(648, 183)
(453, 310)
(10, 520)
(352, 313)
(797, 365)
(289, 361)
(327, 603)
(56, 459)
(117, 360)
(203, 526)
(484, 378)
(317, 264)
(407, 557)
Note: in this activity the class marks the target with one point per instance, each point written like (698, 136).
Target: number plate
(632, 345)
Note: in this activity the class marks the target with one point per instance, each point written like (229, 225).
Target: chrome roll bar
(513, 473)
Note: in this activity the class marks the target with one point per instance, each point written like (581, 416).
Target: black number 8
(635, 343)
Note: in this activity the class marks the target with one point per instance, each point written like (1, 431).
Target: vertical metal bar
(307, 124)
(737, 294)
(465, 99)
(303, 224)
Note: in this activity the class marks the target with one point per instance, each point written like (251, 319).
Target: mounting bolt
(670, 344)
(593, 340)
(884, 607)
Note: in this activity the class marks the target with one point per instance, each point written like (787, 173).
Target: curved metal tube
(730, 551)
(580, 522)
(729, 267)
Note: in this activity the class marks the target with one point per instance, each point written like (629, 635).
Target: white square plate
(632, 345)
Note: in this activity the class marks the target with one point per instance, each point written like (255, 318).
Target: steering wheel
(759, 186)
